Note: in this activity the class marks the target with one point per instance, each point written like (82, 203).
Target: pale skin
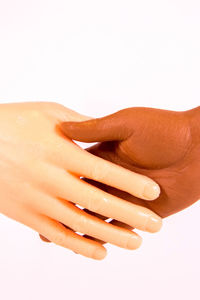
(40, 183)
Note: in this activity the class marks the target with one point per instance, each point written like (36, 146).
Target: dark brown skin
(161, 144)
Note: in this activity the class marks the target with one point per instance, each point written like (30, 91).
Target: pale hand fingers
(113, 222)
(79, 221)
(62, 236)
(59, 234)
(101, 202)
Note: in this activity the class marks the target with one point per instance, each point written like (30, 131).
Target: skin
(40, 183)
(161, 144)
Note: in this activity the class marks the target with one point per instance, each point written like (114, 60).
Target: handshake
(144, 167)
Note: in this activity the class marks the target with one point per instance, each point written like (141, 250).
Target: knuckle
(59, 239)
(97, 201)
(99, 170)
(93, 204)
(95, 172)
(79, 224)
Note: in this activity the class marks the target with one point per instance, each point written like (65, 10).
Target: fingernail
(154, 224)
(99, 253)
(134, 242)
(151, 191)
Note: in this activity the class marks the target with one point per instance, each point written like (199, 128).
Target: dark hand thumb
(110, 128)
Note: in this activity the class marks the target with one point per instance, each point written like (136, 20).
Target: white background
(97, 57)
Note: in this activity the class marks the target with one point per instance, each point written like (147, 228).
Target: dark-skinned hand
(161, 144)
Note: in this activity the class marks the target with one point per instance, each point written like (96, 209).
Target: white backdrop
(97, 57)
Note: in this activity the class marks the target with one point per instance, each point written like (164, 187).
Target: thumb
(110, 128)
